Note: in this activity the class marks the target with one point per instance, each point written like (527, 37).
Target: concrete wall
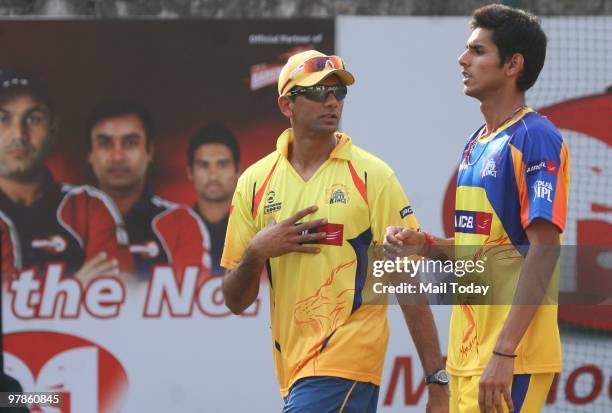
(283, 8)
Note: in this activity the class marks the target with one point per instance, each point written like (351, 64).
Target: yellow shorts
(529, 392)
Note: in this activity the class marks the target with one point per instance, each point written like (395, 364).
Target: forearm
(442, 248)
(241, 284)
(532, 288)
(422, 328)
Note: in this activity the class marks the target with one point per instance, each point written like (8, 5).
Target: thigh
(529, 391)
(331, 395)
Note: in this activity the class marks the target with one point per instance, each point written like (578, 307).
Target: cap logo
(14, 82)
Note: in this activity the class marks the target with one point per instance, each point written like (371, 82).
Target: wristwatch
(439, 376)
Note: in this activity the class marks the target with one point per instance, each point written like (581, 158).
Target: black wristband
(497, 353)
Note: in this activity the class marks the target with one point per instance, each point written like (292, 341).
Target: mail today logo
(89, 376)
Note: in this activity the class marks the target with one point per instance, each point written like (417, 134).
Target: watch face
(442, 376)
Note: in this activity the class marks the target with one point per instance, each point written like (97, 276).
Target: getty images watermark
(415, 267)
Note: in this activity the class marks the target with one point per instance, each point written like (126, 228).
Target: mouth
(118, 171)
(466, 76)
(330, 116)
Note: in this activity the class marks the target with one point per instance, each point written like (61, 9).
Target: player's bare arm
(241, 284)
(422, 328)
(535, 276)
(397, 239)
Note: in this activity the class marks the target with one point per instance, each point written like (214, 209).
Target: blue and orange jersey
(321, 322)
(506, 180)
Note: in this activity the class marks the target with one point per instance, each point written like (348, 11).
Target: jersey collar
(341, 151)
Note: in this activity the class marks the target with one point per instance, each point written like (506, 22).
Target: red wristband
(429, 241)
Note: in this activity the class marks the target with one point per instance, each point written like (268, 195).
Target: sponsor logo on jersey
(149, 249)
(489, 169)
(542, 190)
(271, 204)
(542, 165)
(335, 234)
(406, 211)
(473, 222)
(54, 244)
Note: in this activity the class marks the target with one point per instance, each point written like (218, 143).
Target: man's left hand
(495, 384)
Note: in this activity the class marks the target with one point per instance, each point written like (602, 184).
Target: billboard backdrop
(163, 346)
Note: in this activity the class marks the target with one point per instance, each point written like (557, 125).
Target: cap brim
(313, 78)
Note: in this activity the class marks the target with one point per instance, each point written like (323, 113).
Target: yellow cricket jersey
(518, 174)
(320, 325)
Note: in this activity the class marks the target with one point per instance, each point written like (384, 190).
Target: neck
(22, 193)
(213, 212)
(309, 151)
(124, 200)
(499, 109)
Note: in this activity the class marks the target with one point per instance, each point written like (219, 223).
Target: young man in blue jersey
(511, 203)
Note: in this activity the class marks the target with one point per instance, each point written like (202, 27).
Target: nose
(331, 100)
(462, 59)
(17, 130)
(117, 153)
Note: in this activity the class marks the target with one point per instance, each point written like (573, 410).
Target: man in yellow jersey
(308, 213)
(511, 202)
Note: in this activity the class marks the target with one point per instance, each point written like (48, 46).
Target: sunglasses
(319, 93)
(315, 64)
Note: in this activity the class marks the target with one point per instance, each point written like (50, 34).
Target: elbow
(231, 302)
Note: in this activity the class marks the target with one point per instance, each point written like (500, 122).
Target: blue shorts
(331, 395)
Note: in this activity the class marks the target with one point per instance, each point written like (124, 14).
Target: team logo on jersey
(271, 204)
(489, 169)
(473, 222)
(406, 211)
(542, 165)
(338, 194)
(149, 249)
(54, 244)
(542, 190)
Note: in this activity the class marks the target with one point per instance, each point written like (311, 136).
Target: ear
(286, 106)
(151, 150)
(515, 65)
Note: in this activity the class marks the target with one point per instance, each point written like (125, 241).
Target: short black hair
(213, 132)
(515, 31)
(121, 107)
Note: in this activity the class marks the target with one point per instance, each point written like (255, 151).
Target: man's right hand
(398, 239)
(97, 266)
(287, 236)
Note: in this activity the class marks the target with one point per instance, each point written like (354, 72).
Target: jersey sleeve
(94, 220)
(391, 207)
(240, 228)
(543, 176)
(186, 239)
